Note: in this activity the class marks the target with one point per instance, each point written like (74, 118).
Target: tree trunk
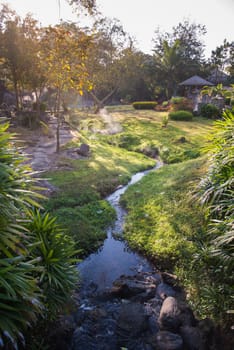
(16, 95)
(100, 103)
(58, 121)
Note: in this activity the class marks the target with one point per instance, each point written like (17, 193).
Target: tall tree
(222, 58)
(20, 48)
(12, 55)
(64, 56)
(104, 66)
(169, 61)
(181, 52)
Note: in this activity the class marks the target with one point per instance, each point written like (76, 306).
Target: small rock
(168, 341)
(182, 139)
(192, 338)
(83, 150)
(132, 319)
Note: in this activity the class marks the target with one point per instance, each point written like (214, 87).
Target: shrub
(165, 103)
(144, 105)
(57, 275)
(181, 103)
(36, 272)
(210, 111)
(165, 121)
(215, 192)
(181, 115)
(20, 297)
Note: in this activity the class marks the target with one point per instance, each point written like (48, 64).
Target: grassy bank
(78, 203)
(163, 222)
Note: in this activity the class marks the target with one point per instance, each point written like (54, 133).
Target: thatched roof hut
(196, 81)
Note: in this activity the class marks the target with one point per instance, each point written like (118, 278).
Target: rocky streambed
(144, 311)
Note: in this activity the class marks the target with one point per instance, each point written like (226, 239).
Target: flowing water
(114, 258)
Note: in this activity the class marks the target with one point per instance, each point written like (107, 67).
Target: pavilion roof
(196, 81)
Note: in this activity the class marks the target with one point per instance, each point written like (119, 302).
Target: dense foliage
(210, 111)
(216, 194)
(35, 258)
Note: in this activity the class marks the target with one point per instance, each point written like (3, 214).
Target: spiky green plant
(57, 254)
(217, 188)
(216, 192)
(19, 294)
(37, 271)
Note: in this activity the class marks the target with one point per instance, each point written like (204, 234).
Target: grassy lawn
(83, 184)
(143, 131)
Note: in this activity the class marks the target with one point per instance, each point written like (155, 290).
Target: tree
(168, 61)
(104, 65)
(133, 84)
(180, 53)
(222, 58)
(11, 52)
(89, 5)
(20, 48)
(64, 56)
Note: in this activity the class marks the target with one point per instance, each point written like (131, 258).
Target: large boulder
(137, 288)
(174, 314)
(169, 315)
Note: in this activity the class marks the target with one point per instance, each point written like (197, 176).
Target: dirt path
(41, 148)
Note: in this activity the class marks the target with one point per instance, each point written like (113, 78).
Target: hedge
(144, 105)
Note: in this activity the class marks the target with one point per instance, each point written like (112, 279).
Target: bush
(20, 297)
(210, 111)
(165, 103)
(181, 115)
(36, 267)
(181, 103)
(57, 275)
(215, 192)
(144, 105)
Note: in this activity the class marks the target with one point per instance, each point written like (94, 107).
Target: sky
(140, 18)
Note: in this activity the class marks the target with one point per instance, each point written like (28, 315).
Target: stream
(114, 258)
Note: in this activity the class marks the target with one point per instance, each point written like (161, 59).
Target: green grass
(113, 159)
(162, 220)
(143, 131)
